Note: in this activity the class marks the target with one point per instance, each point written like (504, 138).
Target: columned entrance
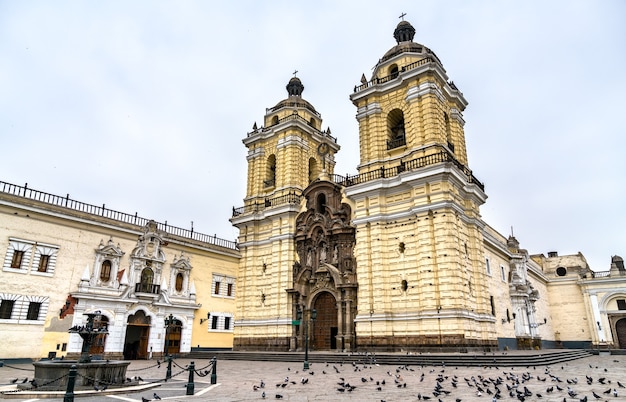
(324, 328)
(137, 334)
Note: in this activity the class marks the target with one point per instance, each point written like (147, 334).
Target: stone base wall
(278, 344)
(425, 343)
(445, 343)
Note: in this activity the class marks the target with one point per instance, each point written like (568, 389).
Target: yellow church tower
(284, 156)
(419, 248)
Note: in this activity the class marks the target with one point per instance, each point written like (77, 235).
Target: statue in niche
(323, 252)
(335, 255)
(309, 258)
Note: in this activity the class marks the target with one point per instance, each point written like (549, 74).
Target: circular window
(560, 271)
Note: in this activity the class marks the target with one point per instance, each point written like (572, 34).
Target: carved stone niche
(323, 232)
(107, 265)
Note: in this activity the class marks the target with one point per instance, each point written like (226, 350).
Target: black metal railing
(147, 288)
(397, 142)
(103, 211)
(392, 76)
(441, 155)
(290, 198)
(294, 117)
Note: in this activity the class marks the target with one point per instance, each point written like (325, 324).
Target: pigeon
(156, 397)
(145, 399)
(279, 396)
(263, 395)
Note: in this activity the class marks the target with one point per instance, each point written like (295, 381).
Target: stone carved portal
(324, 278)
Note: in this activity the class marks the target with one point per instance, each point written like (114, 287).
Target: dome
(404, 32)
(295, 87)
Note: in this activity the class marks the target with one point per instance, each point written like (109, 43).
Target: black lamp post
(169, 321)
(312, 317)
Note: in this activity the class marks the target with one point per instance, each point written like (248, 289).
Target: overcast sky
(143, 105)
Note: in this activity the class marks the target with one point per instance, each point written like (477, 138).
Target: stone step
(514, 359)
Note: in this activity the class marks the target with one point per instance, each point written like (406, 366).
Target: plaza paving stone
(241, 381)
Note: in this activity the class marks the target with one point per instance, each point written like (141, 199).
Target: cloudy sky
(142, 105)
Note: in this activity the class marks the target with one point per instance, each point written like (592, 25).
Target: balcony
(147, 290)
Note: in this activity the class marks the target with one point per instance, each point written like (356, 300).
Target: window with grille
(105, 271)
(44, 260)
(33, 311)
(6, 309)
(16, 261)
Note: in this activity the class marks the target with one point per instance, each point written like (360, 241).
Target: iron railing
(290, 198)
(394, 75)
(294, 117)
(147, 288)
(103, 211)
(441, 155)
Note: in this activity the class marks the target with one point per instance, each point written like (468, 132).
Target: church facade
(396, 257)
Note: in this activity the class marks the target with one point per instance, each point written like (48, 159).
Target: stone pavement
(236, 381)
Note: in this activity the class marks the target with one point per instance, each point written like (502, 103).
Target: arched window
(321, 203)
(393, 71)
(395, 127)
(179, 282)
(147, 276)
(313, 169)
(270, 175)
(274, 120)
(312, 123)
(448, 132)
(105, 271)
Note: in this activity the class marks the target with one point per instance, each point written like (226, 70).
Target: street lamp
(312, 317)
(169, 321)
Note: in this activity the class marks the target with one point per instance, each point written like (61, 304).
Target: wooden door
(322, 328)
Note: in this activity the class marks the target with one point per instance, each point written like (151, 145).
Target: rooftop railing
(103, 211)
(294, 117)
(441, 155)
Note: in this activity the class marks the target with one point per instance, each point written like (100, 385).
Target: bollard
(71, 379)
(214, 371)
(190, 384)
(168, 373)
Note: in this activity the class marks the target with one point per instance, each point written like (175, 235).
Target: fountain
(51, 374)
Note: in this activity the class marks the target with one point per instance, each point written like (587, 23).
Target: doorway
(172, 338)
(325, 327)
(137, 335)
(620, 332)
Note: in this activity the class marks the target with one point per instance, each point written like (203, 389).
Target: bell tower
(419, 254)
(284, 156)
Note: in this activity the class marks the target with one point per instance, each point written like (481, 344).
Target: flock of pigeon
(441, 383)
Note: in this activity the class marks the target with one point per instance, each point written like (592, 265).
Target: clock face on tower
(322, 149)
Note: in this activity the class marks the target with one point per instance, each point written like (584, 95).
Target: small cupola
(404, 32)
